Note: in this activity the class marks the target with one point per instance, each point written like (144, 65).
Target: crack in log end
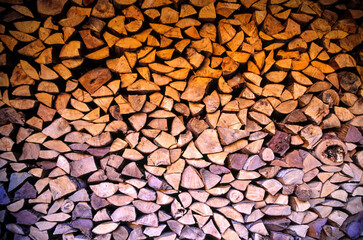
(334, 153)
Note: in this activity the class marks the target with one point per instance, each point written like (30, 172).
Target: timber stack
(168, 119)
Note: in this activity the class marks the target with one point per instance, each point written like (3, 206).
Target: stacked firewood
(168, 119)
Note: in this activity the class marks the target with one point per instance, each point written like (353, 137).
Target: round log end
(331, 150)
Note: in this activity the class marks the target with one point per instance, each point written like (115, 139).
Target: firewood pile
(167, 119)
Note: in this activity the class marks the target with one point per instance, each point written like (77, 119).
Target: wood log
(331, 150)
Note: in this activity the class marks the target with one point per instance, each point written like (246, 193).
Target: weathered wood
(280, 143)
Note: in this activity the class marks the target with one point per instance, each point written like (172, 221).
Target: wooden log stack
(168, 119)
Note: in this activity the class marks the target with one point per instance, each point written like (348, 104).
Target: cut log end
(331, 150)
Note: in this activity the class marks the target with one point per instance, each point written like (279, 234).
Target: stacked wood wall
(167, 119)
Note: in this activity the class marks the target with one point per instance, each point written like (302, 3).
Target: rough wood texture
(199, 119)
